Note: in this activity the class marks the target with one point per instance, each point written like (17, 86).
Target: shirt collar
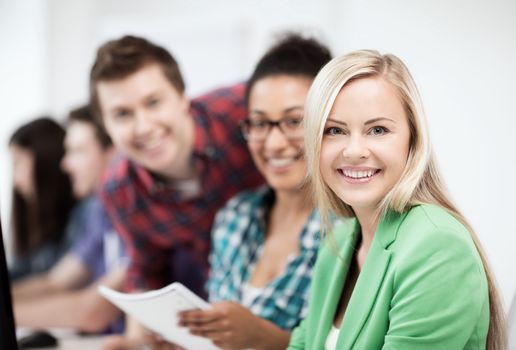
(311, 231)
(153, 185)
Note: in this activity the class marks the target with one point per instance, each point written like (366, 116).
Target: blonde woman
(405, 271)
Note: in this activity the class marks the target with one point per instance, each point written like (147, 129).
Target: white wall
(23, 77)
(462, 55)
(460, 52)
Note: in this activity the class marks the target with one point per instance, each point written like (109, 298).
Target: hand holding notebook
(157, 310)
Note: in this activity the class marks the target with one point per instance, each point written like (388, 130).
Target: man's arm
(85, 309)
(70, 273)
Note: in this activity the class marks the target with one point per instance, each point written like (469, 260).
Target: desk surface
(78, 343)
(81, 343)
(68, 339)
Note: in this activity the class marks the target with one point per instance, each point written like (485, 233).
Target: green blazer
(422, 286)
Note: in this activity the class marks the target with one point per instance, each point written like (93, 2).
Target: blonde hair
(420, 181)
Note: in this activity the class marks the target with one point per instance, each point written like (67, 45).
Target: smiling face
(148, 121)
(279, 159)
(85, 159)
(365, 143)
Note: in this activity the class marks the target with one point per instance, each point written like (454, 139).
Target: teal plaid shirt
(238, 238)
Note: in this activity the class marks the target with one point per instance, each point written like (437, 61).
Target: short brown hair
(122, 57)
(84, 114)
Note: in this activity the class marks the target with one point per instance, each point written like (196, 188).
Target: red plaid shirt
(168, 237)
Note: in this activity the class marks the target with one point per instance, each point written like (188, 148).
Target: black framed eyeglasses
(258, 130)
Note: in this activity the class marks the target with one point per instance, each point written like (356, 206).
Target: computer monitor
(7, 329)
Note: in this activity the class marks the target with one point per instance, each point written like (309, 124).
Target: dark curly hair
(293, 54)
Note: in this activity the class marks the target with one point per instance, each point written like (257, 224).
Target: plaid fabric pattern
(168, 237)
(238, 239)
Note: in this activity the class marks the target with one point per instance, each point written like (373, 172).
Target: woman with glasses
(265, 242)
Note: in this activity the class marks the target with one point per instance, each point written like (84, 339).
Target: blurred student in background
(67, 295)
(265, 241)
(43, 225)
(182, 161)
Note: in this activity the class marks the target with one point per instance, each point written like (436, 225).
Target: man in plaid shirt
(181, 161)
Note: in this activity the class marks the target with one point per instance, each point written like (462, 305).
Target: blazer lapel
(346, 241)
(369, 281)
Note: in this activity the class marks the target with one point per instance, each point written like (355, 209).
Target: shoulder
(246, 202)
(436, 269)
(116, 174)
(432, 239)
(123, 180)
(95, 204)
(232, 93)
(123, 185)
(91, 204)
(238, 213)
(434, 217)
(432, 226)
(225, 104)
(96, 215)
(82, 208)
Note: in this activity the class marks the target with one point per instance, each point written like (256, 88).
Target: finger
(208, 329)
(192, 313)
(155, 337)
(223, 343)
(176, 347)
(187, 312)
(199, 317)
(160, 345)
(111, 343)
(167, 346)
(120, 342)
(199, 314)
(218, 336)
(219, 324)
(151, 336)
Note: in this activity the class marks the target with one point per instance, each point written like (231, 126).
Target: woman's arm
(232, 326)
